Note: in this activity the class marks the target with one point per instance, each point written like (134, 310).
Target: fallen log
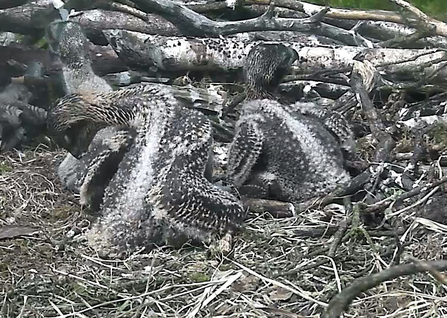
(94, 21)
(210, 54)
(25, 19)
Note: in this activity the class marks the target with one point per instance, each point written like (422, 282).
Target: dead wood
(420, 190)
(198, 25)
(363, 73)
(311, 252)
(277, 209)
(337, 13)
(328, 30)
(187, 54)
(32, 18)
(94, 21)
(27, 18)
(440, 27)
(341, 301)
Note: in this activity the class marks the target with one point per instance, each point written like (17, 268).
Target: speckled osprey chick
(159, 193)
(280, 151)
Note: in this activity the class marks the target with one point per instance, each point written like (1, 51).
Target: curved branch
(341, 301)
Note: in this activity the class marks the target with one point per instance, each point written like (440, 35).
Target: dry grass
(55, 274)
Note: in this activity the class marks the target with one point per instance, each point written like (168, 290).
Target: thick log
(94, 21)
(32, 17)
(27, 18)
(186, 54)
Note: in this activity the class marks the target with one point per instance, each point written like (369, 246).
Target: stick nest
(279, 267)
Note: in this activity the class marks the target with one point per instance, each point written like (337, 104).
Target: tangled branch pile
(385, 71)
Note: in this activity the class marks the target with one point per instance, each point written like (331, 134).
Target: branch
(362, 78)
(341, 301)
(336, 13)
(196, 24)
(441, 27)
(363, 73)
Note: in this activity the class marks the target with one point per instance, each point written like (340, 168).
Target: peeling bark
(94, 21)
(186, 54)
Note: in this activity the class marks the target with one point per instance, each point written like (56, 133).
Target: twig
(386, 202)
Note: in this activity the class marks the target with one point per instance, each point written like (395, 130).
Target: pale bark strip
(336, 13)
(328, 90)
(186, 54)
